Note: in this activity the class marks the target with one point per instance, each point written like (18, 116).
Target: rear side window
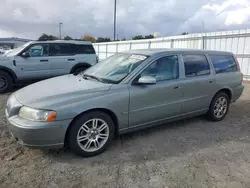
(61, 49)
(84, 49)
(196, 65)
(223, 63)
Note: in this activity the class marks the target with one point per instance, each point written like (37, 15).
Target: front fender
(116, 102)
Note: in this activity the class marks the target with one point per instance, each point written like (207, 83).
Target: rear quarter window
(84, 49)
(224, 63)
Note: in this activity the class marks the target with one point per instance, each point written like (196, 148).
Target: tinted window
(84, 49)
(166, 68)
(61, 49)
(223, 63)
(196, 65)
(38, 50)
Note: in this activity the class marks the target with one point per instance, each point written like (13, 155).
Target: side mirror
(147, 80)
(25, 54)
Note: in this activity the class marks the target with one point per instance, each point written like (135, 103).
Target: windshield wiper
(92, 77)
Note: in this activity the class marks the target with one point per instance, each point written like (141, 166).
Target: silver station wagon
(123, 93)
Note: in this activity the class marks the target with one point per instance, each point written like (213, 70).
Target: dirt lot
(188, 153)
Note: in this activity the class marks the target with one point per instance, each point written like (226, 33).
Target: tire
(83, 141)
(78, 70)
(6, 82)
(219, 107)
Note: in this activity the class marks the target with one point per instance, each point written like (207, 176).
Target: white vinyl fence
(237, 42)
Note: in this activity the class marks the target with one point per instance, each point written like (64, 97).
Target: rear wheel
(219, 107)
(91, 134)
(6, 82)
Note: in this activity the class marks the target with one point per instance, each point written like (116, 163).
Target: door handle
(44, 60)
(211, 81)
(176, 87)
(71, 59)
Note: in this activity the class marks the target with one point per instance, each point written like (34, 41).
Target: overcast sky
(31, 18)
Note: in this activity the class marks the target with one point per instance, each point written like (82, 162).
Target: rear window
(84, 49)
(196, 65)
(223, 63)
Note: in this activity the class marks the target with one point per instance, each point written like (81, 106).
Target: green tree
(68, 38)
(45, 37)
(137, 37)
(88, 38)
(149, 37)
(103, 39)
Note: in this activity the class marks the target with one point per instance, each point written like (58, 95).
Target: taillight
(97, 59)
(237, 63)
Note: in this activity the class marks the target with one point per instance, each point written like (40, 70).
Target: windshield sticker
(139, 57)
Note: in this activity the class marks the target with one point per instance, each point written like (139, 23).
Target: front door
(161, 101)
(36, 65)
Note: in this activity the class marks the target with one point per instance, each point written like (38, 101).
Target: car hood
(59, 90)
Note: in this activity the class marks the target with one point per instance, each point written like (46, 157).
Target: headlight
(37, 115)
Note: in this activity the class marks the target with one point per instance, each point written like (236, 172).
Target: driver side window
(165, 68)
(38, 50)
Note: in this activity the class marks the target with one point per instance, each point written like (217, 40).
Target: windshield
(17, 50)
(115, 68)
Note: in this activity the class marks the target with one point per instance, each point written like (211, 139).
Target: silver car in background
(126, 92)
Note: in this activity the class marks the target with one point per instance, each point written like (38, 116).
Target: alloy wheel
(93, 135)
(220, 107)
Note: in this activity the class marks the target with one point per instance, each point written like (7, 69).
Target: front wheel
(219, 107)
(91, 134)
(6, 83)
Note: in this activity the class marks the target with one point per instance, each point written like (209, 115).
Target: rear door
(199, 87)
(85, 53)
(62, 58)
(37, 65)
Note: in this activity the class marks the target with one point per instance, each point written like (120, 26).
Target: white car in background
(38, 60)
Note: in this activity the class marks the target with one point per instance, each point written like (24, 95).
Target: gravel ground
(188, 153)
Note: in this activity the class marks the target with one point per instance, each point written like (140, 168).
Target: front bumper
(38, 134)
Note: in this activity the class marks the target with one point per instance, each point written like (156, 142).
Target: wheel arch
(78, 65)
(226, 90)
(105, 110)
(10, 72)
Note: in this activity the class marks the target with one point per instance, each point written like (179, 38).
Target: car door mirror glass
(25, 54)
(146, 80)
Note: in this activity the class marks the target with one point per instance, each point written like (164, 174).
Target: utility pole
(203, 27)
(114, 19)
(60, 32)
